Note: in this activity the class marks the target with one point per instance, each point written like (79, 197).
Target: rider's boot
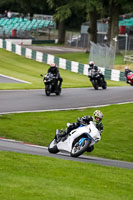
(60, 135)
(57, 134)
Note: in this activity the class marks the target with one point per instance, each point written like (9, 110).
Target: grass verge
(29, 70)
(39, 128)
(37, 178)
(84, 57)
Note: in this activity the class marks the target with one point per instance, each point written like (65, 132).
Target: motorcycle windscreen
(94, 132)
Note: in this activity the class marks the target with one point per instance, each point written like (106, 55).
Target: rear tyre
(52, 148)
(104, 85)
(77, 149)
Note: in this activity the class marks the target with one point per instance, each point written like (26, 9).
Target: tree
(31, 6)
(115, 8)
(7, 5)
(93, 8)
(25, 6)
(112, 9)
(63, 12)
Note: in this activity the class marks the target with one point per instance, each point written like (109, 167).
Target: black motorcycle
(97, 79)
(51, 84)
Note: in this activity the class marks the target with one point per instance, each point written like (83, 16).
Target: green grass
(49, 44)
(84, 57)
(39, 128)
(29, 70)
(78, 57)
(37, 178)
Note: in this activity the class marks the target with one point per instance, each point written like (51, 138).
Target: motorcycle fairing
(90, 130)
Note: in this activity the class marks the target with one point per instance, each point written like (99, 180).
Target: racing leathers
(81, 121)
(127, 71)
(96, 70)
(55, 72)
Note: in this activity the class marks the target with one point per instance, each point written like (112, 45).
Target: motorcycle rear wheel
(104, 86)
(52, 148)
(78, 150)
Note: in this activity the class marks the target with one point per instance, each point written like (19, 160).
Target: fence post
(126, 43)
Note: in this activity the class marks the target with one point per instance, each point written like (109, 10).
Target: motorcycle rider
(54, 70)
(96, 118)
(127, 71)
(92, 66)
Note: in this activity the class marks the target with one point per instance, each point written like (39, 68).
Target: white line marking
(9, 77)
(21, 142)
(63, 109)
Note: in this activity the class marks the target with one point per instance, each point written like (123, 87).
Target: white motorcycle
(77, 141)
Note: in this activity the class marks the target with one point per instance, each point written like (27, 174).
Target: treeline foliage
(69, 13)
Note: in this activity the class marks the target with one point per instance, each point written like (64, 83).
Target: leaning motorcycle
(77, 141)
(51, 84)
(97, 79)
(130, 78)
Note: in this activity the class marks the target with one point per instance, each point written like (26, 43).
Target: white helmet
(126, 67)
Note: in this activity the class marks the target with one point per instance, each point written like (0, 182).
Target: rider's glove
(80, 120)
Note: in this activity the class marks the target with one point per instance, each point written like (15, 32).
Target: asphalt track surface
(36, 100)
(14, 146)
(8, 80)
(54, 49)
(5, 80)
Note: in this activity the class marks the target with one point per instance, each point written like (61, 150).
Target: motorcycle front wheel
(95, 84)
(77, 149)
(58, 91)
(47, 90)
(52, 148)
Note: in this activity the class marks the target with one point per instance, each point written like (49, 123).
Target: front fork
(81, 141)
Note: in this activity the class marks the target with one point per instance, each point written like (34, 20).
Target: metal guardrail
(128, 58)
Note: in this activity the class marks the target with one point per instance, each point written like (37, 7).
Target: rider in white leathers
(97, 118)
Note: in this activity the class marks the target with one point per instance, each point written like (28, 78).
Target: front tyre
(77, 149)
(95, 84)
(47, 90)
(52, 148)
(58, 91)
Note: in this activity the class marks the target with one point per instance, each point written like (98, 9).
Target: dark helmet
(52, 66)
(98, 115)
(91, 64)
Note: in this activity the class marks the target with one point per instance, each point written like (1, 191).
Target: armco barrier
(73, 66)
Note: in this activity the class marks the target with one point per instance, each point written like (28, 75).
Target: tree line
(69, 13)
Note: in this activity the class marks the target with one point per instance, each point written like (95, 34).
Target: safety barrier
(73, 66)
(128, 58)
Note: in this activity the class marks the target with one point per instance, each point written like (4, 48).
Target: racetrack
(20, 147)
(36, 100)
